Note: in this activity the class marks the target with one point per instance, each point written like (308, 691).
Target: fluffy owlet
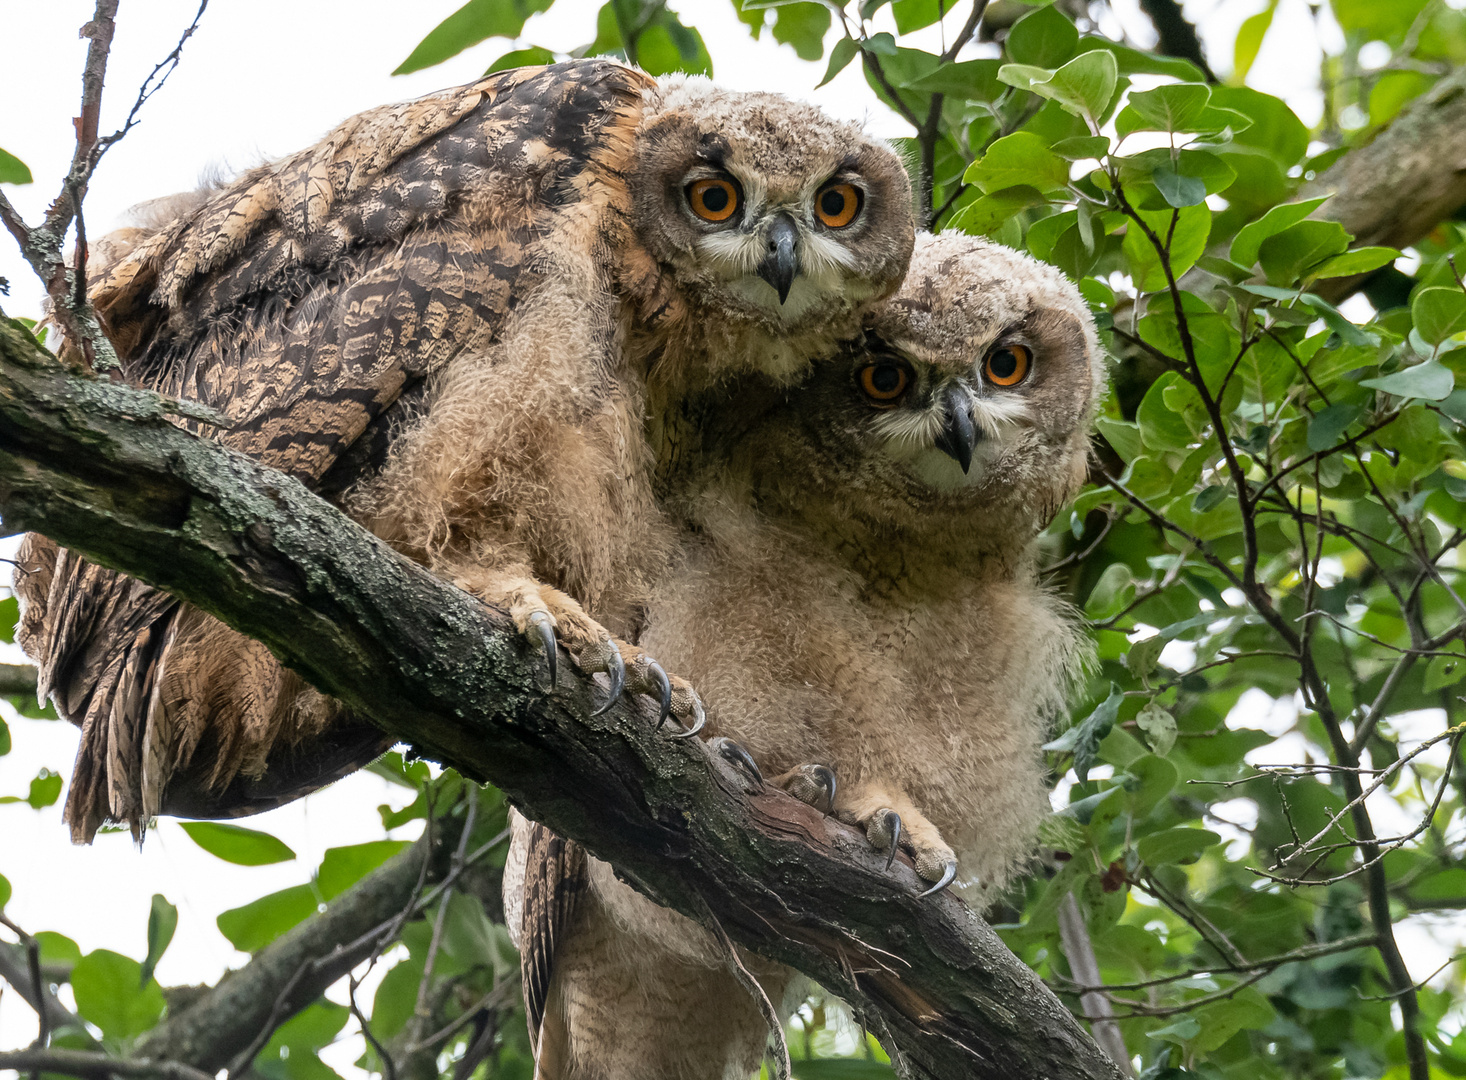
(858, 598)
(456, 317)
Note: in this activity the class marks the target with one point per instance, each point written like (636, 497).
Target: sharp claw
(540, 620)
(664, 686)
(949, 871)
(827, 780)
(893, 822)
(735, 753)
(616, 668)
(699, 718)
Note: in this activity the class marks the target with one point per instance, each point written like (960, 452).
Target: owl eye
(884, 382)
(1007, 365)
(712, 199)
(837, 205)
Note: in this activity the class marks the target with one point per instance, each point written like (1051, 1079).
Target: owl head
(964, 412)
(765, 213)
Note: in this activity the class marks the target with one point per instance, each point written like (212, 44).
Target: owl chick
(858, 597)
(452, 316)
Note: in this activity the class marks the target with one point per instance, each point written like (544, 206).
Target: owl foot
(812, 784)
(909, 830)
(551, 619)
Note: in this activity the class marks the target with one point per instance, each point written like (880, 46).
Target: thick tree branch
(96, 466)
(17, 679)
(95, 1063)
(1412, 176)
(1177, 36)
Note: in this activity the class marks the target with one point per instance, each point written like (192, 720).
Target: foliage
(1268, 557)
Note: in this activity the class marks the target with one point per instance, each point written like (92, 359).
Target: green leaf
(1249, 40)
(1083, 738)
(162, 922)
(1443, 671)
(1287, 255)
(4, 737)
(983, 216)
(1162, 427)
(474, 22)
(236, 844)
(1438, 313)
(1327, 426)
(1250, 237)
(845, 50)
(972, 80)
(533, 56)
(1181, 845)
(13, 170)
(1042, 38)
(1122, 435)
(1082, 146)
(1358, 261)
(4, 892)
(111, 993)
(1209, 498)
(1083, 86)
(45, 789)
(1187, 242)
(1178, 190)
(842, 1069)
(343, 867)
(1180, 1030)
(912, 15)
(1429, 381)
(1159, 727)
(1166, 108)
(1143, 656)
(9, 615)
(1019, 159)
(803, 28)
(256, 924)
(1135, 62)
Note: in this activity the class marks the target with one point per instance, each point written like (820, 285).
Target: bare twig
(96, 1064)
(783, 1069)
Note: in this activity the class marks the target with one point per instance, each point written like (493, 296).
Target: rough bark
(96, 466)
(1396, 188)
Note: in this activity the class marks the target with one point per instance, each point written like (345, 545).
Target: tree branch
(98, 467)
(93, 1063)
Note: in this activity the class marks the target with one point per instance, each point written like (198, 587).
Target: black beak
(780, 264)
(959, 435)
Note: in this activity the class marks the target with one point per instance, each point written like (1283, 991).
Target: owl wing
(554, 880)
(307, 303)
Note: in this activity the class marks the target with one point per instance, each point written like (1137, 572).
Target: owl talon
(699, 719)
(737, 756)
(884, 833)
(542, 624)
(615, 667)
(664, 691)
(811, 784)
(949, 872)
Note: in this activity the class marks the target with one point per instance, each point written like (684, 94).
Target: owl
(458, 318)
(857, 596)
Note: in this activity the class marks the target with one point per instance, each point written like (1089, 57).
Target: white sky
(263, 78)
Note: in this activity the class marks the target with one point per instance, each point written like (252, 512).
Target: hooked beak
(959, 435)
(780, 264)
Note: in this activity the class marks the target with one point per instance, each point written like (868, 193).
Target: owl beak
(959, 434)
(780, 264)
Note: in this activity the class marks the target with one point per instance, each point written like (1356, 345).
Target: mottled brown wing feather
(302, 302)
(554, 879)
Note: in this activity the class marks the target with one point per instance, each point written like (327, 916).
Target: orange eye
(713, 200)
(1006, 365)
(837, 205)
(884, 382)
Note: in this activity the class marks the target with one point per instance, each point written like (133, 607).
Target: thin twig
(783, 1068)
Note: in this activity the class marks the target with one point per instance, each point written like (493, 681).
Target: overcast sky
(262, 78)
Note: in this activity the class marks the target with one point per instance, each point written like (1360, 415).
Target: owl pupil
(1004, 364)
(886, 379)
(833, 203)
(715, 199)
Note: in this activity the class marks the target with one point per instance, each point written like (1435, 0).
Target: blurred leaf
(9, 615)
(4, 737)
(1175, 846)
(530, 57)
(343, 867)
(913, 15)
(162, 922)
(1249, 40)
(1042, 38)
(111, 993)
(236, 844)
(256, 924)
(1428, 381)
(1443, 671)
(1327, 426)
(1159, 727)
(291, 1052)
(1393, 91)
(842, 1069)
(803, 27)
(845, 50)
(1438, 313)
(44, 790)
(474, 22)
(13, 170)
(1141, 660)
(1083, 739)
(4, 892)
